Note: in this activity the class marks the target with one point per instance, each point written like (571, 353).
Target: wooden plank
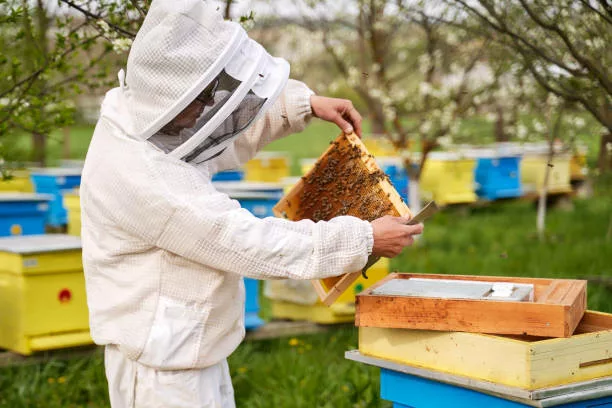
(557, 316)
(520, 361)
(345, 180)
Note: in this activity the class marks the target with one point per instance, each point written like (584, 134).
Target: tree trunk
(377, 122)
(500, 133)
(66, 143)
(604, 161)
(414, 188)
(414, 195)
(228, 9)
(541, 217)
(39, 149)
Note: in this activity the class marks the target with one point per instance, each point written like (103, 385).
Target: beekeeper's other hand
(339, 111)
(391, 235)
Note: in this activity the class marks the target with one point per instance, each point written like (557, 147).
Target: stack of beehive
(541, 352)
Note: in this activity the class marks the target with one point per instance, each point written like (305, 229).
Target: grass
(310, 371)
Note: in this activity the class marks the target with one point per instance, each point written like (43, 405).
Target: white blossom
(424, 63)
(444, 141)
(104, 26)
(539, 126)
(425, 127)
(121, 44)
(579, 122)
(425, 88)
(248, 24)
(552, 100)
(521, 131)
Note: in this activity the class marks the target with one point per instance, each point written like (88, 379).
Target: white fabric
(133, 385)
(190, 42)
(164, 253)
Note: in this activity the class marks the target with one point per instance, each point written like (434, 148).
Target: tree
(563, 44)
(416, 77)
(51, 56)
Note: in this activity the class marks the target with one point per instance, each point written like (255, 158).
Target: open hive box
(554, 309)
(345, 180)
(526, 362)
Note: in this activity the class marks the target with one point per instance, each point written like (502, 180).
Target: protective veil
(164, 253)
(224, 82)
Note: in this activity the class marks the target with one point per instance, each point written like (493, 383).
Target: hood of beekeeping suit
(186, 56)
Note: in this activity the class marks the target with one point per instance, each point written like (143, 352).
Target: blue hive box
(394, 168)
(251, 305)
(23, 213)
(229, 175)
(56, 181)
(409, 386)
(259, 199)
(497, 174)
(410, 391)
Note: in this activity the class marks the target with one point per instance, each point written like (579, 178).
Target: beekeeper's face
(188, 117)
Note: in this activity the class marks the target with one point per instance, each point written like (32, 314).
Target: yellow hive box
(307, 164)
(379, 146)
(533, 169)
(526, 362)
(343, 309)
(267, 166)
(72, 204)
(448, 178)
(42, 293)
(19, 183)
(578, 164)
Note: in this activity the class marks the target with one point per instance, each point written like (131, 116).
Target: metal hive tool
(345, 180)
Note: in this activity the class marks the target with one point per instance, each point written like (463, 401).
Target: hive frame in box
(558, 306)
(330, 289)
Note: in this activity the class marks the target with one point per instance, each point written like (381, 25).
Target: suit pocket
(174, 339)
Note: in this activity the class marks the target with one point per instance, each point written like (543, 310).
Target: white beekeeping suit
(164, 252)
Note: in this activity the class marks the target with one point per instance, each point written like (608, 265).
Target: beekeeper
(164, 252)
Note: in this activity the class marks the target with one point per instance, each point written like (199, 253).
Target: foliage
(561, 44)
(416, 77)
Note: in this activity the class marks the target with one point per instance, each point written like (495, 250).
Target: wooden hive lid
(345, 180)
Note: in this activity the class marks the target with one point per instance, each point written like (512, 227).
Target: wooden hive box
(525, 362)
(555, 311)
(345, 180)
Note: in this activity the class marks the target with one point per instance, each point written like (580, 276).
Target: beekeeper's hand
(391, 235)
(339, 111)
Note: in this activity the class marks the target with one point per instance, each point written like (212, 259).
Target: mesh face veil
(200, 115)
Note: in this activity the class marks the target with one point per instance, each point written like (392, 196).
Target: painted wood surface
(361, 164)
(519, 361)
(432, 387)
(416, 392)
(558, 306)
